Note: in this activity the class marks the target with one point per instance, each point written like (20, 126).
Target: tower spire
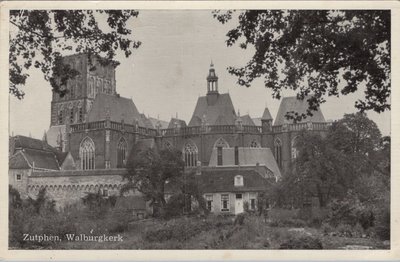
(212, 80)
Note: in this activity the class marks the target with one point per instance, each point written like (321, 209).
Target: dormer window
(238, 180)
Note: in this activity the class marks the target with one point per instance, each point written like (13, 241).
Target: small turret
(266, 121)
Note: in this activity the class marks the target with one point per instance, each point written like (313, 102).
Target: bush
(290, 222)
(382, 228)
(305, 242)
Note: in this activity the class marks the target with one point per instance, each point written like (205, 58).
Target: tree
(150, 169)
(320, 169)
(313, 51)
(38, 38)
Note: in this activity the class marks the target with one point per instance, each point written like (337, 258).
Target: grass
(283, 229)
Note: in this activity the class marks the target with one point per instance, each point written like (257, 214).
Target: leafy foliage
(314, 51)
(150, 169)
(38, 38)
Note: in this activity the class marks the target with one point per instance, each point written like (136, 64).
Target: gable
(220, 112)
(289, 104)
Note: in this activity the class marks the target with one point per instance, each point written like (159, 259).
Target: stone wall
(69, 187)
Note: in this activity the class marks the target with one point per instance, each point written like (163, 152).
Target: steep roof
(266, 115)
(218, 112)
(247, 156)
(147, 123)
(20, 142)
(18, 161)
(289, 104)
(118, 107)
(173, 121)
(29, 158)
(247, 121)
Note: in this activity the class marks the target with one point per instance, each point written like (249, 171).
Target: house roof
(20, 142)
(116, 107)
(180, 122)
(131, 202)
(41, 159)
(289, 104)
(222, 180)
(219, 112)
(18, 161)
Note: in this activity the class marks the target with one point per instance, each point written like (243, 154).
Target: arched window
(122, 152)
(87, 154)
(295, 151)
(221, 143)
(190, 153)
(254, 144)
(278, 151)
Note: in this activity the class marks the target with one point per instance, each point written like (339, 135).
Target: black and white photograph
(198, 129)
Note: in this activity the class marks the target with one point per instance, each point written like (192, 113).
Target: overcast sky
(165, 76)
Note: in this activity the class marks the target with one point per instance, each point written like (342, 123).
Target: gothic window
(60, 117)
(190, 153)
(87, 154)
(219, 156)
(295, 151)
(121, 152)
(278, 151)
(221, 143)
(254, 144)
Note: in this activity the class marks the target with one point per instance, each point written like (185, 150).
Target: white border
(198, 254)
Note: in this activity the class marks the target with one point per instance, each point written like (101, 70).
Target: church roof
(147, 123)
(266, 115)
(118, 108)
(247, 121)
(173, 121)
(220, 112)
(289, 104)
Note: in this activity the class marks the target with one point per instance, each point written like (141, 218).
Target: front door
(239, 204)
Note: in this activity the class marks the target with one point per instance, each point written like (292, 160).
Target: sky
(167, 74)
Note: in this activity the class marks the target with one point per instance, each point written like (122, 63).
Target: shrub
(382, 228)
(304, 242)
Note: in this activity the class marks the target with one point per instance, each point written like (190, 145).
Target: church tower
(212, 86)
(92, 79)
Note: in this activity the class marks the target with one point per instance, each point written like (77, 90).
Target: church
(92, 129)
